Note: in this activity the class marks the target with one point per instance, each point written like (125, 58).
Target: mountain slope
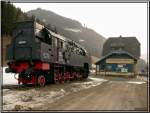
(72, 29)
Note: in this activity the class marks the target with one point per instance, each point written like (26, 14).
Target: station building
(119, 56)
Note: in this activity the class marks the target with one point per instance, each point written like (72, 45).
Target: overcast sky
(108, 19)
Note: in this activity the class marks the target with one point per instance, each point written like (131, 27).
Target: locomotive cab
(27, 39)
(22, 44)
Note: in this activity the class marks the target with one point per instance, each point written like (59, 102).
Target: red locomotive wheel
(62, 80)
(24, 83)
(80, 77)
(66, 76)
(56, 78)
(41, 80)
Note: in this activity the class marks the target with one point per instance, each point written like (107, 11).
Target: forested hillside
(9, 15)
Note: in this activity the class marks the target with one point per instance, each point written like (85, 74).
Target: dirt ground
(115, 93)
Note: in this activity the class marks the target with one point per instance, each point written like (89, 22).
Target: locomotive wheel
(71, 77)
(56, 79)
(62, 79)
(74, 76)
(41, 80)
(68, 78)
(85, 76)
(79, 77)
(24, 83)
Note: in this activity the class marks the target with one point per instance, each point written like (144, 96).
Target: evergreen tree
(10, 14)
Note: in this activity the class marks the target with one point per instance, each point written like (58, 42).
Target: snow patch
(26, 100)
(81, 40)
(142, 78)
(8, 78)
(73, 30)
(57, 94)
(136, 82)
(85, 85)
(79, 86)
(98, 79)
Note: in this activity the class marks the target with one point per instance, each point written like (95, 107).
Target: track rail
(16, 86)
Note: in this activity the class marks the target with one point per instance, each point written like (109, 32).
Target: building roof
(116, 52)
(128, 44)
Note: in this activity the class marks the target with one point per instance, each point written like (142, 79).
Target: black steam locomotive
(40, 56)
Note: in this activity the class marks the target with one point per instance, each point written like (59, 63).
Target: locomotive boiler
(40, 56)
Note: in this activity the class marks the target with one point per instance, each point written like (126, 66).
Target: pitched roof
(116, 52)
(128, 44)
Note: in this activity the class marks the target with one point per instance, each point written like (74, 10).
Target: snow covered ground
(33, 98)
(73, 30)
(25, 100)
(142, 78)
(8, 78)
(136, 82)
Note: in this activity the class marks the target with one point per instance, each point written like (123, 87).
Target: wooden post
(99, 69)
(105, 70)
(96, 69)
(134, 69)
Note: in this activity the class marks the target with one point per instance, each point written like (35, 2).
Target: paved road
(110, 95)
